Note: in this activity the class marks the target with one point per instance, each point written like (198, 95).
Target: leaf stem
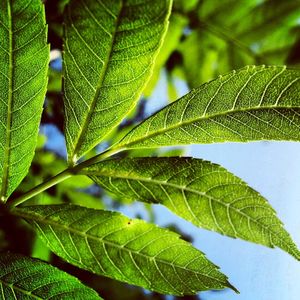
(230, 39)
(41, 187)
(67, 173)
(103, 155)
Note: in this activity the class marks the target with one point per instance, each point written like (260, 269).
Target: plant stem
(67, 173)
(229, 39)
(108, 153)
(41, 187)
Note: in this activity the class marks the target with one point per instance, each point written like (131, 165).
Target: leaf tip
(296, 254)
(229, 285)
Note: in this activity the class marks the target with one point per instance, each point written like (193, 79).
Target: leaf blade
(27, 278)
(125, 249)
(23, 86)
(251, 104)
(130, 36)
(201, 192)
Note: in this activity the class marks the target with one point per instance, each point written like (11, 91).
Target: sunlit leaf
(109, 52)
(27, 278)
(24, 57)
(201, 192)
(254, 103)
(129, 250)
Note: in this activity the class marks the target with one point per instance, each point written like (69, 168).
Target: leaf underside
(251, 104)
(24, 56)
(27, 278)
(201, 192)
(109, 51)
(128, 250)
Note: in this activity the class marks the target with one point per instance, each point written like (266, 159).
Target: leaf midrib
(178, 125)
(45, 221)
(83, 129)
(12, 286)
(9, 107)
(201, 194)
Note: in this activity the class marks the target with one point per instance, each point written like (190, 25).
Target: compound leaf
(129, 250)
(24, 56)
(109, 52)
(201, 192)
(254, 103)
(26, 278)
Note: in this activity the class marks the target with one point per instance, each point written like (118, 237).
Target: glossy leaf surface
(130, 250)
(109, 51)
(201, 192)
(24, 57)
(26, 278)
(254, 103)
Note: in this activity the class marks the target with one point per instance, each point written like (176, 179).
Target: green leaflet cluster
(27, 278)
(110, 49)
(103, 81)
(24, 56)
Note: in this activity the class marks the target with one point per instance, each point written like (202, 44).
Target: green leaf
(261, 23)
(226, 12)
(128, 250)
(26, 278)
(109, 52)
(218, 53)
(201, 192)
(24, 56)
(254, 103)
(234, 34)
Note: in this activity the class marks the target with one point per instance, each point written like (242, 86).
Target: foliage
(27, 278)
(23, 85)
(113, 52)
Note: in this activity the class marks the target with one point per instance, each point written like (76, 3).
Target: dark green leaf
(230, 34)
(27, 278)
